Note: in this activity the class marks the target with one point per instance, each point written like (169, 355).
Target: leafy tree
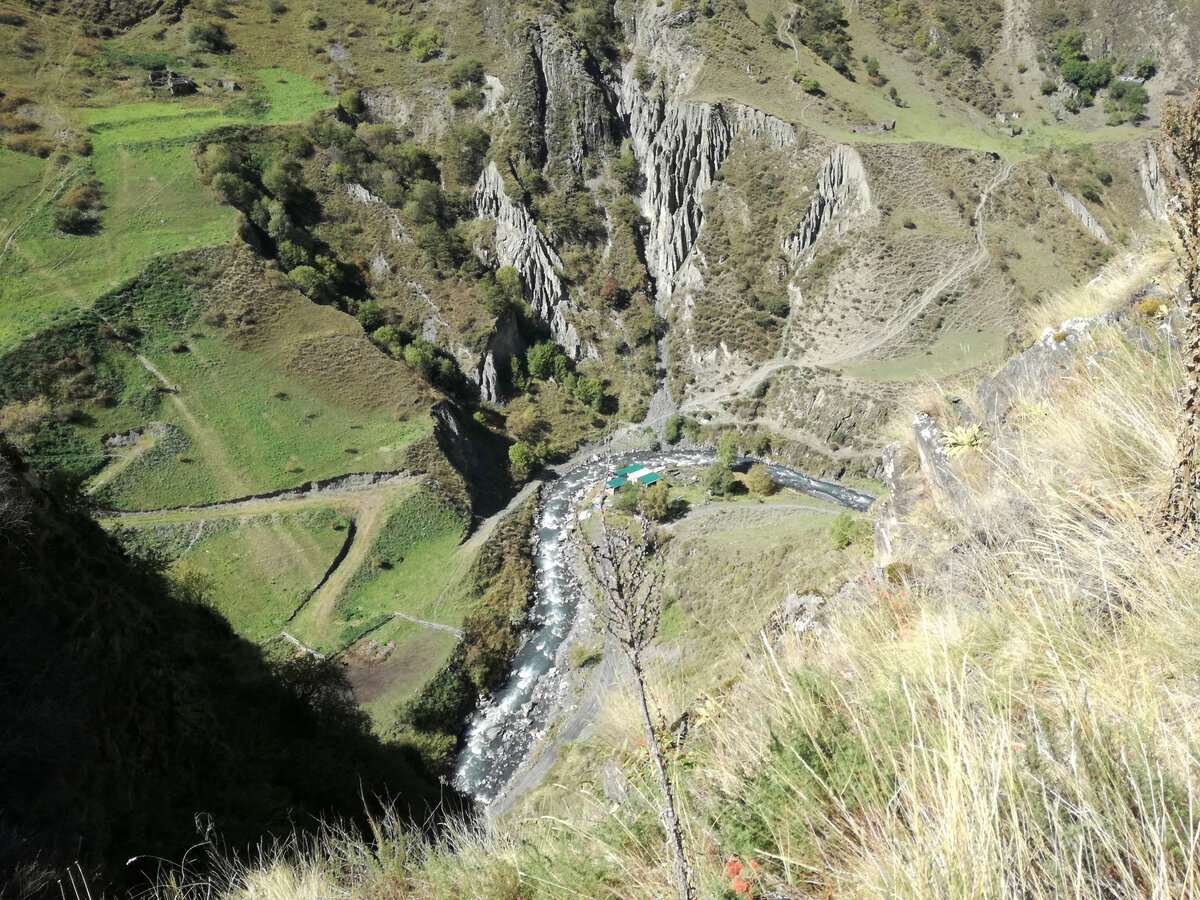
(770, 25)
(673, 429)
(234, 190)
(1068, 45)
(522, 461)
(625, 498)
(593, 22)
(1145, 68)
(847, 529)
(426, 204)
(758, 479)
(312, 282)
(1087, 76)
(718, 479)
(656, 501)
(589, 390)
(727, 447)
(546, 360)
(465, 147)
(292, 255)
(624, 167)
(821, 26)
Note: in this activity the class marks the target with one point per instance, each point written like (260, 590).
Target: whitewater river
(501, 732)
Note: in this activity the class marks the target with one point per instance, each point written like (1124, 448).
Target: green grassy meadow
(252, 431)
(153, 203)
(261, 568)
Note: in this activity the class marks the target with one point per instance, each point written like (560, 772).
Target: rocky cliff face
(565, 106)
(1080, 212)
(841, 187)
(679, 146)
(1153, 184)
(494, 367)
(519, 243)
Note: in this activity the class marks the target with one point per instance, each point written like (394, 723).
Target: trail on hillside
(370, 518)
(888, 333)
(895, 327)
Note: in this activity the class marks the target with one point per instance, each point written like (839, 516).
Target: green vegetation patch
(152, 203)
(409, 565)
(498, 588)
(257, 569)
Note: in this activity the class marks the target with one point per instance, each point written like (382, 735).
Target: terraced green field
(256, 569)
(154, 205)
(249, 431)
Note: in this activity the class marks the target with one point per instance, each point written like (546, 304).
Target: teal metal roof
(651, 478)
(615, 482)
(628, 470)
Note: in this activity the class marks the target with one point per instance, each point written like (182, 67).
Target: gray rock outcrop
(1153, 184)
(520, 243)
(1079, 211)
(841, 187)
(491, 374)
(679, 146)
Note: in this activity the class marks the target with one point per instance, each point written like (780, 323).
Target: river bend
(501, 732)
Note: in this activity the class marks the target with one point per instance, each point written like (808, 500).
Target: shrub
(312, 283)
(466, 70)
(275, 7)
(673, 429)
(758, 480)
(1049, 86)
(909, 223)
(78, 211)
(807, 83)
(522, 461)
(426, 44)
(464, 150)
(1145, 68)
(209, 37)
(1087, 76)
(847, 529)
(314, 21)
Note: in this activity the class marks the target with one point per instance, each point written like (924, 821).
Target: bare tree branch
(630, 578)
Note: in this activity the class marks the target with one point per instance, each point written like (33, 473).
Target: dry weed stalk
(630, 582)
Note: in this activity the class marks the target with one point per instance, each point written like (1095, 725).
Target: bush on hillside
(209, 37)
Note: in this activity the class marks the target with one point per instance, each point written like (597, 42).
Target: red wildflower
(740, 885)
(754, 864)
(732, 867)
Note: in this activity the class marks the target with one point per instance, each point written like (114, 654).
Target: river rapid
(502, 731)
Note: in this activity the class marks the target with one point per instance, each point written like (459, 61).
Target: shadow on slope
(137, 722)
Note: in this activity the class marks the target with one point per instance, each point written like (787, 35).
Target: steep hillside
(138, 723)
(303, 297)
